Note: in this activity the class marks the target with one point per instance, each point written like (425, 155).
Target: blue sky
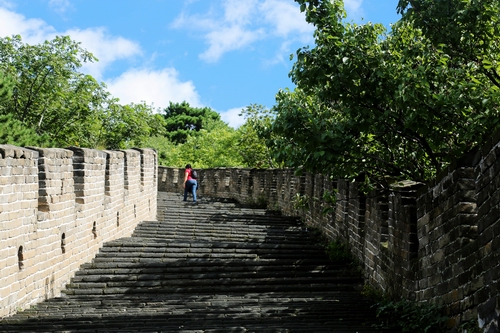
(224, 54)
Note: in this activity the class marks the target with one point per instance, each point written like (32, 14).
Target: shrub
(411, 317)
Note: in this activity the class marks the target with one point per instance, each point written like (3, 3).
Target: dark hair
(188, 166)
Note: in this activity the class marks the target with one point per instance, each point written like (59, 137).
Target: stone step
(157, 300)
(222, 235)
(161, 278)
(210, 253)
(210, 286)
(203, 313)
(216, 266)
(214, 236)
(204, 224)
(312, 265)
(226, 224)
(197, 245)
(206, 271)
(229, 232)
(207, 267)
(223, 229)
(275, 320)
(227, 214)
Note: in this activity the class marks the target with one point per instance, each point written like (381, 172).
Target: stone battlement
(437, 242)
(57, 208)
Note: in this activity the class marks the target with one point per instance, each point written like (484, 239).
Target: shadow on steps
(215, 266)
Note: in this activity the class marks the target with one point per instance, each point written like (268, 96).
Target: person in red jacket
(190, 184)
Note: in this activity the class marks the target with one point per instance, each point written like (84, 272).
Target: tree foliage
(467, 31)
(398, 105)
(13, 132)
(219, 145)
(48, 96)
(182, 120)
(209, 148)
(215, 148)
(252, 137)
(6, 87)
(129, 125)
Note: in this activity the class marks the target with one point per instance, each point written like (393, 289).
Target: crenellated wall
(438, 242)
(58, 206)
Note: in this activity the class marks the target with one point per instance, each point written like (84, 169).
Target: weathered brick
(26, 217)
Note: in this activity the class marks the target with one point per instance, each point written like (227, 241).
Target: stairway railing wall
(438, 242)
(58, 206)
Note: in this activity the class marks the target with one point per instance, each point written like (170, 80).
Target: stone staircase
(213, 266)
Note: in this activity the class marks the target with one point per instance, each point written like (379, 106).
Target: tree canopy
(13, 132)
(182, 120)
(42, 90)
(50, 96)
(390, 105)
(252, 137)
(6, 87)
(46, 101)
(217, 144)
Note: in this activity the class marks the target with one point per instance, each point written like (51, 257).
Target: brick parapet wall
(58, 206)
(437, 242)
(447, 231)
(484, 234)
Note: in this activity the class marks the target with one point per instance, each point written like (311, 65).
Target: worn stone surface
(210, 267)
(436, 242)
(58, 206)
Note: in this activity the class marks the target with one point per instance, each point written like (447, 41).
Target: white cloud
(287, 19)
(240, 24)
(105, 47)
(223, 32)
(33, 31)
(60, 6)
(289, 24)
(353, 8)
(239, 12)
(153, 87)
(227, 39)
(231, 117)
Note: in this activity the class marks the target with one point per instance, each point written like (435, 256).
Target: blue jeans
(190, 187)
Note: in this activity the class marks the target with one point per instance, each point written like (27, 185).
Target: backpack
(194, 174)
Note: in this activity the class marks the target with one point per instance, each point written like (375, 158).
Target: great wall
(57, 208)
(437, 242)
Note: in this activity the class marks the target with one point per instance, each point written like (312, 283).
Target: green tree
(209, 148)
(13, 132)
(384, 105)
(219, 145)
(169, 154)
(212, 149)
(252, 137)
(128, 126)
(467, 31)
(50, 96)
(182, 120)
(6, 88)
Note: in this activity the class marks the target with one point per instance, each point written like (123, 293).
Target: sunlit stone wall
(58, 206)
